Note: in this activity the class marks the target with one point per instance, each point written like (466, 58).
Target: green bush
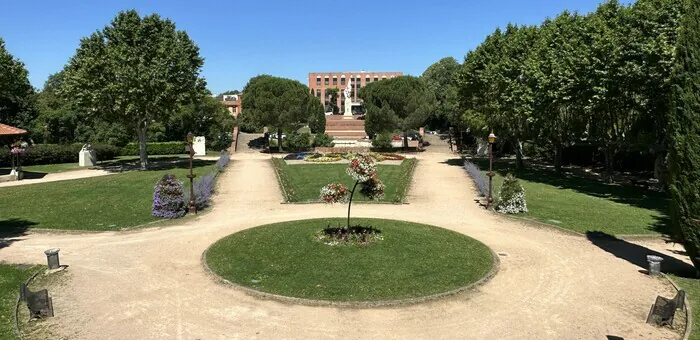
(296, 142)
(382, 141)
(158, 148)
(323, 140)
(57, 153)
(511, 198)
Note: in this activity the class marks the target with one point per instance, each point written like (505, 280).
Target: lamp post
(492, 138)
(191, 205)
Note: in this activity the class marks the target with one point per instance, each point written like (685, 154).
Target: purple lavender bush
(203, 190)
(168, 198)
(223, 161)
(480, 181)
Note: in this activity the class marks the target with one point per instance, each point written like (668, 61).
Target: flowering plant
(362, 168)
(511, 198)
(168, 198)
(334, 193)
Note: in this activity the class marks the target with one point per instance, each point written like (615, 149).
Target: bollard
(52, 258)
(654, 264)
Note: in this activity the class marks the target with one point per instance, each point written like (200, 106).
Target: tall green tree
(406, 104)
(684, 134)
(332, 94)
(317, 115)
(17, 96)
(135, 71)
(555, 73)
(441, 79)
(277, 102)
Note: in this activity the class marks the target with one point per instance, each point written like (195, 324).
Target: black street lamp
(492, 138)
(191, 205)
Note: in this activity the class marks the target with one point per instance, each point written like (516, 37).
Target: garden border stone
(495, 267)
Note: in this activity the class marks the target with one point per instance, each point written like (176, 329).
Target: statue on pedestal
(348, 101)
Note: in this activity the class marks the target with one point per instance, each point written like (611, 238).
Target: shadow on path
(637, 255)
(13, 228)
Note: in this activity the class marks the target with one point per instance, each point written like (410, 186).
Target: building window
(342, 81)
(325, 81)
(376, 78)
(335, 81)
(318, 80)
(366, 80)
(318, 93)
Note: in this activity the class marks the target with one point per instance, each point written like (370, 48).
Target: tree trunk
(519, 163)
(405, 141)
(142, 130)
(609, 162)
(558, 150)
(279, 139)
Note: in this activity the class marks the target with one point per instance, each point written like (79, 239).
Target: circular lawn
(409, 260)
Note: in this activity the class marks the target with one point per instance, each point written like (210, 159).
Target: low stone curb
(496, 264)
(17, 302)
(688, 312)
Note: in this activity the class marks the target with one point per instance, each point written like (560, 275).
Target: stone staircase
(345, 129)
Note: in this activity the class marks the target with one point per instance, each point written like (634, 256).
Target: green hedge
(160, 148)
(57, 153)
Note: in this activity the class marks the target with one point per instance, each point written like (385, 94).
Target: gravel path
(149, 284)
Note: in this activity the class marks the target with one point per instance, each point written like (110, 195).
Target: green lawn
(303, 182)
(11, 276)
(100, 203)
(412, 260)
(584, 205)
(692, 290)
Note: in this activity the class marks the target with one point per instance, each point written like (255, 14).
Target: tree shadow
(257, 143)
(637, 255)
(13, 228)
(454, 162)
(624, 194)
(154, 164)
(25, 174)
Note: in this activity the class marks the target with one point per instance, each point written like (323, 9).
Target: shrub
(382, 141)
(57, 153)
(296, 142)
(222, 162)
(168, 198)
(155, 148)
(203, 190)
(323, 140)
(480, 181)
(511, 198)
(221, 141)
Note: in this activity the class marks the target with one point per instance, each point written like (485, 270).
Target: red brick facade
(320, 81)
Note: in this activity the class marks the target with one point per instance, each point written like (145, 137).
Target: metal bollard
(52, 258)
(654, 264)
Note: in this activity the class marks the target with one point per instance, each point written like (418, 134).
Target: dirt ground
(150, 284)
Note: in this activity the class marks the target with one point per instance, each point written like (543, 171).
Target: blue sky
(241, 39)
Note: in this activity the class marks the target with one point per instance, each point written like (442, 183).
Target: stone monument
(199, 146)
(348, 102)
(87, 156)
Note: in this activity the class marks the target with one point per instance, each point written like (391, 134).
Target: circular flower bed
(385, 260)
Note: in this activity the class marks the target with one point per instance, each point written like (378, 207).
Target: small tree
(511, 198)
(363, 169)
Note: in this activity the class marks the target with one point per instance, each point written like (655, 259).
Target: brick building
(320, 81)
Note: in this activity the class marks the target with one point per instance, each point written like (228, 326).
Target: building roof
(6, 130)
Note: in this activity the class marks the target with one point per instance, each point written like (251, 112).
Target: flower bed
(393, 157)
(337, 156)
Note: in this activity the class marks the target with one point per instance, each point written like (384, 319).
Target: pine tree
(684, 134)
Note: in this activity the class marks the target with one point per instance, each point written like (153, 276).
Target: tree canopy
(400, 103)
(441, 79)
(136, 71)
(17, 96)
(281, 103)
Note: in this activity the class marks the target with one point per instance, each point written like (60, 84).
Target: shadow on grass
(624, 194)
(13, 228)
(154, 164)
(25, 174)
(637, 254)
